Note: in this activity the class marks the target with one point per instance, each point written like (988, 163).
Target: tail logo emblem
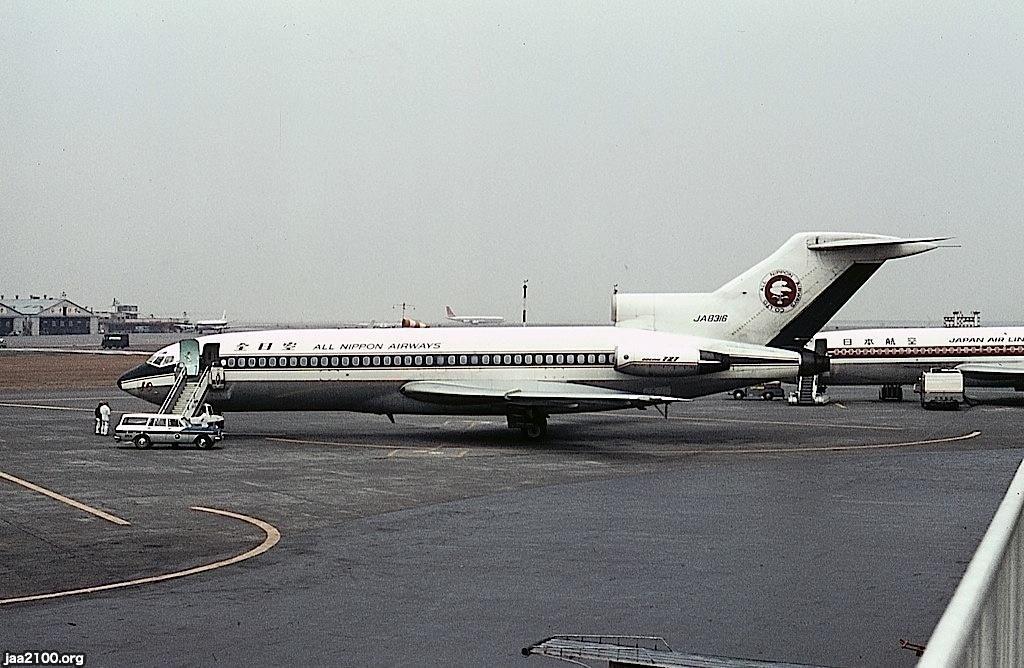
(780, 291)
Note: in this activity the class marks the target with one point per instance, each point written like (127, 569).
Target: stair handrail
(180, 380)
(197, 394)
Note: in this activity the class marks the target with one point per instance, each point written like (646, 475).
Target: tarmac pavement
(741, 528)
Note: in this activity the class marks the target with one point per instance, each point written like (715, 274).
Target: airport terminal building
(45, 315)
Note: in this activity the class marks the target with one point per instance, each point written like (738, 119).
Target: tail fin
(783, 300)
(449, 312)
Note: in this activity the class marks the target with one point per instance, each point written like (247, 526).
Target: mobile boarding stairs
(192, 382)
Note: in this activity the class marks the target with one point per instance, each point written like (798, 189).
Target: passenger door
(190, 356)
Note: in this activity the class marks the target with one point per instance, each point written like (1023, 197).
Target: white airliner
(664, 348)
(215, 325)
(200, 326)
(987, 356)
(471, 319)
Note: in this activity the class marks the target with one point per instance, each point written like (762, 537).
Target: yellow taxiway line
(782, 423)
(817, 448)
(271, 539)
(48, 408)
(63, 499)
(370, 446)
(462, 452)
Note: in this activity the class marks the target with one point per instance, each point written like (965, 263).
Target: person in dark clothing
(98, 417)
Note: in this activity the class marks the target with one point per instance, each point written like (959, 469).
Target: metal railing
(983, 625)
(181, 385)
(180, 381)
(198, 393)
(615, 648)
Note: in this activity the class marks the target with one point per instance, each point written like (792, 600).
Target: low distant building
(9, 320)
(45, 316)
(125, 318)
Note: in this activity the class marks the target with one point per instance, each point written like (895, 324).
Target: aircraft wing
(1009, 372)
(537, 394)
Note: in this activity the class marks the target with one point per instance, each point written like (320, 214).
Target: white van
(145, 429)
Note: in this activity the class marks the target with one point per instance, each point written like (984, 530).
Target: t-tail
(783, 300)
(449, 313)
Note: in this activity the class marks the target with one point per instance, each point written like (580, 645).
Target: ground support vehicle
(145, 429)
(767, 391)
(942, 388)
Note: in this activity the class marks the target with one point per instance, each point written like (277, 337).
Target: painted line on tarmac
(371, 446)
(819, 448)
(272, 538)
(63, 499)
(827, 425)
(457, 453)
(19, 401)
(394, 450)
(49, 408)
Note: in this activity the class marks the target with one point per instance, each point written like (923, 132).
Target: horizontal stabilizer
(536, 394)
(842, 244)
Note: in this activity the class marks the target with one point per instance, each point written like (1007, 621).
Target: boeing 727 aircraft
(664, 348)
(471, 319)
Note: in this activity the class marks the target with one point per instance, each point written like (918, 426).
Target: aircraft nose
(130, 379)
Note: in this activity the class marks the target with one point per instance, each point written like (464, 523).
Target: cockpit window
(162, 358)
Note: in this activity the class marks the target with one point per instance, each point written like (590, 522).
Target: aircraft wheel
(535, 431)
(142, 441)
(767, 396)
(738, 394)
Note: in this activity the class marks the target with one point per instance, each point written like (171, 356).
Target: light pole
(525, 281)
(404, 307)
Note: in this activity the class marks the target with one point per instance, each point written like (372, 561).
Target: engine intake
(669, 362)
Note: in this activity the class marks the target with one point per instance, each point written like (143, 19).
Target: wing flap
(536, 394)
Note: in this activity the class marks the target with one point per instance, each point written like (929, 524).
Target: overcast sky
(295, 161)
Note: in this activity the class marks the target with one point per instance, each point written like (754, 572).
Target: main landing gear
(533, 424)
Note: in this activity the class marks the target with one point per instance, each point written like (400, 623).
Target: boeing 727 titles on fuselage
(660, 351)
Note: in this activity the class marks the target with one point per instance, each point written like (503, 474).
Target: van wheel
(142, 441)
(204, 442)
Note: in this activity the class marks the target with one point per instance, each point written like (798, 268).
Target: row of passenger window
(373, 361)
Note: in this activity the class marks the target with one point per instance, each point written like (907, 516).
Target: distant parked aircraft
(987, 356)
(217, 325)
(471, 319)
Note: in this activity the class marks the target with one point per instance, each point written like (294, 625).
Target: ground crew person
(104, 418)
(98, 406)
